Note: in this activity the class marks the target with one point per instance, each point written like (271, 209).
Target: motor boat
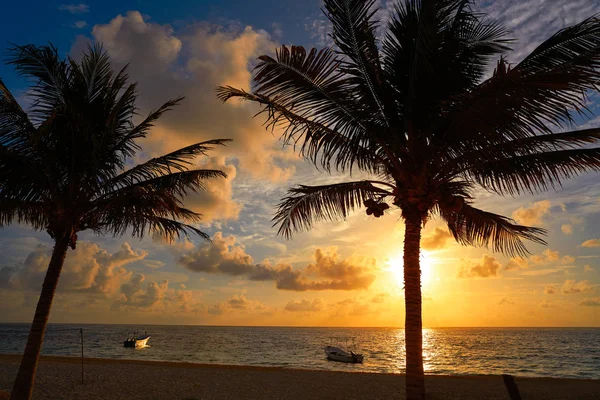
(137, 342)
(337, 354)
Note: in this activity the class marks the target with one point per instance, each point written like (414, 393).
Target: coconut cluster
(375, 208)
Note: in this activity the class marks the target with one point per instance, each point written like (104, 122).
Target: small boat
(137, 342)
(336, 354)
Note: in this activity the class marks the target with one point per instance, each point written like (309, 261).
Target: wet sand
(60, 378)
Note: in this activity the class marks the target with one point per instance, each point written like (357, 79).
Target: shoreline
(60, 377)
(185, 364)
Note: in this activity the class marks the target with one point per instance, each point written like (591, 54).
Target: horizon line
(317, 326)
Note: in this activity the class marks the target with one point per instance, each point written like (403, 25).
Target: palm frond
(572, 49)
(535, 172)
(15, 127)
(354, 33)
(473, 227)
(318, 142)
(179, 160)
(32, 213)
(538, 94)
(151, 224)
(306, 205)
(50, 74)
(177, 184)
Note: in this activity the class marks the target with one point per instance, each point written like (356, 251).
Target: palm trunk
(413, 327)
(23, 386)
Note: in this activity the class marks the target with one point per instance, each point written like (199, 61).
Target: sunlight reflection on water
(573, 353)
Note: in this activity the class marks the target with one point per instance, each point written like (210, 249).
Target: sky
(339, 274)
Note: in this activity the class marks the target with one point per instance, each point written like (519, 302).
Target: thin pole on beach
(81, 331)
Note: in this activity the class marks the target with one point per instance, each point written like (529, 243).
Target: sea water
(533, 352)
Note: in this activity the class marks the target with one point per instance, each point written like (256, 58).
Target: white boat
(336, 354)
(137, 342)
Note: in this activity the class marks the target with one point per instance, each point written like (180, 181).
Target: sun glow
(396, 266)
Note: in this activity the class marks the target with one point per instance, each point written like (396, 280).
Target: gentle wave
(547, 352)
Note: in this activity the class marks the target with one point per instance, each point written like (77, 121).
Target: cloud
(587, 268)
(86, 269)
(529, 26)
(352, 307)
(506, 301)
(305, 305)
(516, 264)
(550, 289)
(436, 240)
(571, 287)
(328, 272)
(487, 267)
(237, 302)
(567, 229)
(532, 215)
(155, 296)
(547, 304)
(75, 8)
(567, 260)
(79, 24)
(379, 298)
(192, 63)
(548, 256)
(318, 30)
(591, 243)
(593, 302)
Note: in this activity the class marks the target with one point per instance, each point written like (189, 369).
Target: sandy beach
(60, 378)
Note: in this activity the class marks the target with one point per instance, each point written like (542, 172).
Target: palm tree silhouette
(65, 167)
(414, 111)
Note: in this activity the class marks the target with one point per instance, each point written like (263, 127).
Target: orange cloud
(594, 302)
(516, 264)
(89, 268)
(487, 267)
(591, 243)
(550, 289)
(506, 301)
(237, 302)
(305, 305)
(567, 229)
(192, 62)
(329, 272)
(532, 215)
(571, 287)
(436, 240)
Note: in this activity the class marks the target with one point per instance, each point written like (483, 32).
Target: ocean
(531, 352)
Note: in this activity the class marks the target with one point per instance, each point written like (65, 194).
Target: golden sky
(339, 274)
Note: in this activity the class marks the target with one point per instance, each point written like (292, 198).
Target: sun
(396, 266)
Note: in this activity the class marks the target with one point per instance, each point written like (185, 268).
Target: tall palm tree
(65, 167)
(412, 107)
